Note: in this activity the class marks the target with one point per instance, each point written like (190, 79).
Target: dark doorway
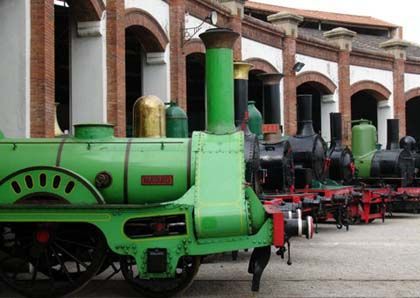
(133, 75)
(196, 105)
(412, 109)
(364, 105)
(315, 91)
(255, 90)
(62, 64)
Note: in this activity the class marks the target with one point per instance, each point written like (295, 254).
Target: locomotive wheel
(186, 270)
(41, 260)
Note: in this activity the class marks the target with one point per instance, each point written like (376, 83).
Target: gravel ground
(375, 260)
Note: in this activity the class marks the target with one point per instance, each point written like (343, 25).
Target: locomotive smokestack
(336, 128)
(393, 131)
(271, 93)
(219, 79)
(304, 116)
(241, 73)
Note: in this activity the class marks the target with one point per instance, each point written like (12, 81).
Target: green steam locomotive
(160, 204)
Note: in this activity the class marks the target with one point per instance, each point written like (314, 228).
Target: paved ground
(377, 260)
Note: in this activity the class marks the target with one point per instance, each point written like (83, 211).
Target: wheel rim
(49, 259)
(186, 270)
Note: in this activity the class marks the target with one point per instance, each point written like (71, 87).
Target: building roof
(361, 41)
(321, 15)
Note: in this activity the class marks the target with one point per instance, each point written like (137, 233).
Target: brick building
(95, 58)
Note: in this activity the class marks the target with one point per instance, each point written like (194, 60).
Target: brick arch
(320, 81)
(379, 91)
(153, 38)
(262, 65)
(194, 46)
(412, 93)
(87, 10)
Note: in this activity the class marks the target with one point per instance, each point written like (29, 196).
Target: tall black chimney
(304, 115)
(393, 131)
(241, 72)
(336, 128)
(271, 113)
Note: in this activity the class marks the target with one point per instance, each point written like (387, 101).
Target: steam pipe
(271, 113)
(393, 131)
(304, 115)
(219, 79)
(336, 128)
(241, 75)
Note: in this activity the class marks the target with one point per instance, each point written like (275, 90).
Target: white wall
(192, 22)
(384, 77)
(411, 81)
(157, 8)
(14, 68)
(156, 66)
(88, 75)
(156, 75)
(254, 49)
(330, 70)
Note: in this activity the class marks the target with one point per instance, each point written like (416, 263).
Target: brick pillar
(178, 61)
(399, 96)
(237, 9)
(397, 48)
(289, 86)
(343, 39)
(236, 25)
(42, 92)
(115, 34)
(289, 24)
(344, 93)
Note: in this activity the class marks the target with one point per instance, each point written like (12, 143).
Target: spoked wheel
(49, 259)
(186, 270)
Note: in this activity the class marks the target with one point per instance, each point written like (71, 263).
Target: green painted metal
(124, 159)
(220, 105)
(222, 213)
(257, 215)
(93, 131)
(220, 208)
(49, 183)
(207, 180)
(326, 184)
(176, 122)
(363, 146)
(255, 121)
(110, 220)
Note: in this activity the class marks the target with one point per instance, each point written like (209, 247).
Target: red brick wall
(178, 62)
(115, 33)
(312, 76)
(263, 65)
(399, 96)
(194, 46)
(344, 93)
(42, 80)
(309, 48)
(371, 60)
(289, 83)
(154, 38)
(262, 32)
(236, 25)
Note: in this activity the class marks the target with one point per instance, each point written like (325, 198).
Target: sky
(402, 12)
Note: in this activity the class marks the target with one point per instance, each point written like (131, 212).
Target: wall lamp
(298, 66)
(189, 33)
